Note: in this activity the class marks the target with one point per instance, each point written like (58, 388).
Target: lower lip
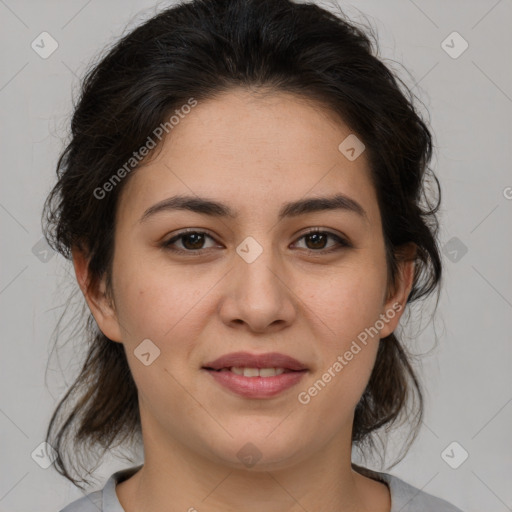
(257, 387)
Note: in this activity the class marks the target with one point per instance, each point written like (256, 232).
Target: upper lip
(247, 360)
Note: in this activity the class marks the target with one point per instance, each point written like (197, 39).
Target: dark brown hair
(198, 50)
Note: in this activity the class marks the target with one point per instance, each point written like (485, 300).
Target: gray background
(466, 374)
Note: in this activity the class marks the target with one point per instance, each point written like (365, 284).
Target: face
(250, 281)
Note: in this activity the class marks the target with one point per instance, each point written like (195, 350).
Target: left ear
(394, 306)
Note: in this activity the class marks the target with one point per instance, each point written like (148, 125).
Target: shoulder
(104, 500)
(92, 502)
(405, 497)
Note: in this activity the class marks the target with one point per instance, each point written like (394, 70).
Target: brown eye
(316, 241)
(193, 241)
(190, 241)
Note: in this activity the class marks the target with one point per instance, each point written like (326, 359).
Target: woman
(243, 203)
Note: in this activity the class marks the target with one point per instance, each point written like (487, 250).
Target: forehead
(253, 151)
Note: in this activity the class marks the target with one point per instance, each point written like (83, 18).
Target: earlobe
(97, 298)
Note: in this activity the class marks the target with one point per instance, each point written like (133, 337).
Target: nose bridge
(259, 265)
(258, 296)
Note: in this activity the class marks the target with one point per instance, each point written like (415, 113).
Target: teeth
(251, 372)
(257, 372)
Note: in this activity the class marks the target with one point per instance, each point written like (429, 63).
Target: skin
(252, 152)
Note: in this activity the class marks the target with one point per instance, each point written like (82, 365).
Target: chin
(254, 450)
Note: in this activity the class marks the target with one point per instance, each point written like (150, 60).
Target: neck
(193, 481)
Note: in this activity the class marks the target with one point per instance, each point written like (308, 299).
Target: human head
(203, 50)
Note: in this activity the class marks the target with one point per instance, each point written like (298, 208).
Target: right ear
(95, 293)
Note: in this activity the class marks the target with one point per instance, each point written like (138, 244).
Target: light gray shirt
(404, 497)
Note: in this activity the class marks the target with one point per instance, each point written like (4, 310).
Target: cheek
(167, 311)
(345, 313)
(155, 302)
(169, 307)
(348, 301)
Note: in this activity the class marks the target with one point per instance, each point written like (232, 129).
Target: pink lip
(256, 387)
(246, 360)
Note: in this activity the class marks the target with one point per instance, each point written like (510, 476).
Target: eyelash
(342, 243)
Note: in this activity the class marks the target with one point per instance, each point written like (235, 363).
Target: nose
(257, 296)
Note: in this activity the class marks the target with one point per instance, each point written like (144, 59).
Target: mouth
(254, 372)
(251, 362)
(256, 376)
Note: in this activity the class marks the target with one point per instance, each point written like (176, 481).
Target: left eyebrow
(213, 208)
